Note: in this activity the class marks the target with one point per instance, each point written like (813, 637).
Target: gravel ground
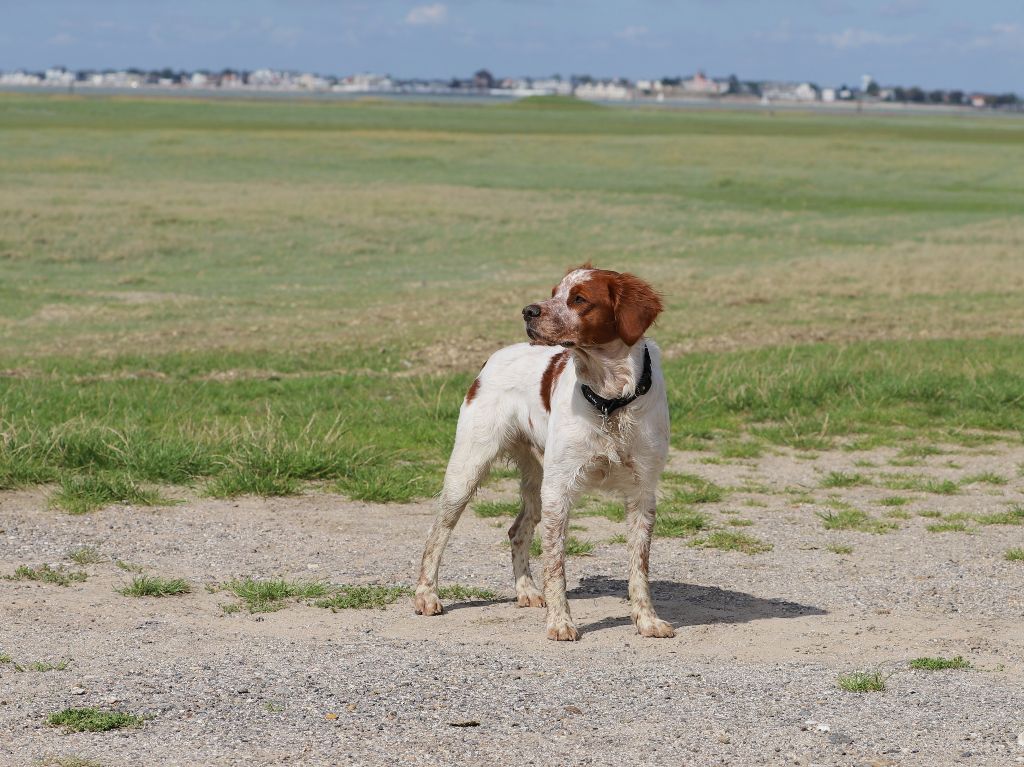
(750, 678)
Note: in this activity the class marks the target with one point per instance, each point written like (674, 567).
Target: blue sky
(932, 43)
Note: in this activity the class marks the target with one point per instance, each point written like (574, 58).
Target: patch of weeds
(5, 658)
(898, 514)
(712, 460)
(947, 526)
(893, 500)
(270, 595)
(862, 681)
(905, 462)
(456, 592)
(82, 493)
(920, 483)
(1014, 515)
(617, 539)
(689, 488)
(47, 574)
(984, 478)
(940, 664)
(739, 522)
(41, 666)
(354, 597)
(68, 761)
(243, 480)
(85, 555)
(727, 540)
(679, 525)
(864, 463)
(855, 519)
(839, 548)
(574, 547)
(489, 509)
(613, 512)
(155, 586)
(92, 720)
(536, 548)
(230, 608)
(745, 449)
(806, 456)
(273, 708)
(920, 451)
(843, 479)
(755, 503)
(1014, 555)
(129, 567)
(929, 513)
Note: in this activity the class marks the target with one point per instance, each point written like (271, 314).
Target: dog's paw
(655, 627)
(531, 598)
(427, 603)
(563, 631)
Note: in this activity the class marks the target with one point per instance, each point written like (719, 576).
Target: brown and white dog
(582, 405)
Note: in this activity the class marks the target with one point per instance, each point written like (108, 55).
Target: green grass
(253, 297)
(727, 540)
(92, 720)
(739, 522)
(613, 512)
(1014, 515)
(689, 488)
(947, 526)
(263, 596)
(986, 477)
(679, 524)
(840, 548)
(359, 597)
(862, 681)
(490, 509)
(843, 479)
(155, 586)
(939, 664)
(82, 493)
(920, 483)
(1014, 555)
(457, 592)
(85, 555)
(893, 500)
(854, 519)
(46, 574)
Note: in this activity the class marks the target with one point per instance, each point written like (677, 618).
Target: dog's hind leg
(531, 474)
(477, 444)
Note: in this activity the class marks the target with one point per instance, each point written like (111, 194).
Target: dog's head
(590, 307)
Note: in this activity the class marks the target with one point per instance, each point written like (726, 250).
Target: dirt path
(749, 679)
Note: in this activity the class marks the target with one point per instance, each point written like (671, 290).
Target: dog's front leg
(640, 510)
(556, 499)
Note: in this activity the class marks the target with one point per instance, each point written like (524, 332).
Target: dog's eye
(579, 300)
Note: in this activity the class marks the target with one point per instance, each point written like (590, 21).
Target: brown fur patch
(551, 373)
(473, 389)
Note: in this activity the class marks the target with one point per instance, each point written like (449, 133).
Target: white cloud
(851, 38)
(1000, 36)
(633, 34)
(422, 15)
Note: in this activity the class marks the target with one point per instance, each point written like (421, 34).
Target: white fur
(560, 455)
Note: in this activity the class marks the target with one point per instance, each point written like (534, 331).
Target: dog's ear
(637, 305)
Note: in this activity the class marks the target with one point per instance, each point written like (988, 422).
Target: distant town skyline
(930, 43)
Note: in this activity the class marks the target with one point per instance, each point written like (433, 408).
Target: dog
(581, 406)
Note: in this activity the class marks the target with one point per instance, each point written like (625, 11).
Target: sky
(930, 43)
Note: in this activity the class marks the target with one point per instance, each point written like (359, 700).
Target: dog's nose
(531, 312)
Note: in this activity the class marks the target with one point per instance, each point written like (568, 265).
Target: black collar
(609, 406)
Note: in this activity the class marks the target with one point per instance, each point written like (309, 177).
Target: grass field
(250, 296)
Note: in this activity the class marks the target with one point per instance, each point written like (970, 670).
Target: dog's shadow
(686, 604)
